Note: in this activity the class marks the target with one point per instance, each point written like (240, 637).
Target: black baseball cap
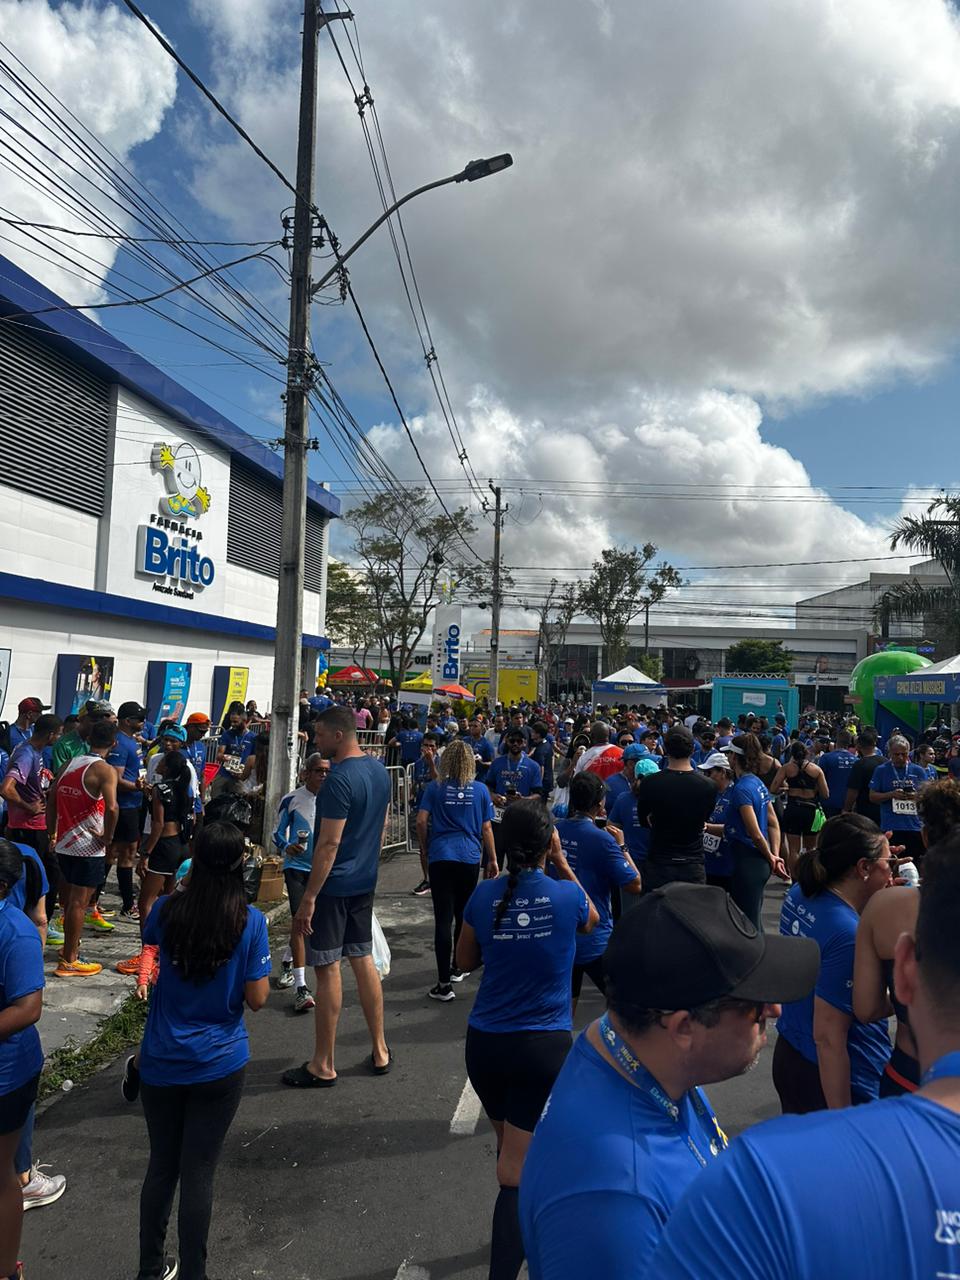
(131, 711)
(95, 708)
(687, 944)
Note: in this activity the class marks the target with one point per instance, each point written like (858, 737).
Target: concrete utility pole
(284, 709)
(498, 514)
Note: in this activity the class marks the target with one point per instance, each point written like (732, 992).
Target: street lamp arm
(475, 169)
(387, 213)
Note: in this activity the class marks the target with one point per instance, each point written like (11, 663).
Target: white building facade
(140, 529)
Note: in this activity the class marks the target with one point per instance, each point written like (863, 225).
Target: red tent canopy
(353, 675)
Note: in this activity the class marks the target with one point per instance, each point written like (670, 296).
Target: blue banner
(168, 689)
(917, 686)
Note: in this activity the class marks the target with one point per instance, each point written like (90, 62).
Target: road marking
(465, 1118)
(408, 1272)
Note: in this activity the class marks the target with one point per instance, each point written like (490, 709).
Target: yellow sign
(236, 690)
(513, 684)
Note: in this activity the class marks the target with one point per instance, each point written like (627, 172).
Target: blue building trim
(98, 350)
(80, 600)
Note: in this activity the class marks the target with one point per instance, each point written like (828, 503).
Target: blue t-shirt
(748, 790)
(717, 853)
(196, 753)
(237, 742)
(528, 957)
(606, 1166)
(526, 775)
(17, 896)
(4, 761)
(320, 702)
(409, 742)
(126, 756)
(296, 817)
(833, 924)
(887, 777)
(484, 749)
(836, 766)
(458, 814)
(195, 1031)
(357, 789)
(18, 735)
(597, 862)
(21, 972)
(617, 786)
(885, 1175)
(636, 837)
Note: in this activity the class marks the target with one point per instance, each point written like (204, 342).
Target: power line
(110, 235)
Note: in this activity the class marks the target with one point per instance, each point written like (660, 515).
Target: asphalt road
(380, 1178)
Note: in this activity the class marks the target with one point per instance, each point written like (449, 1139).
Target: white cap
(715, 761)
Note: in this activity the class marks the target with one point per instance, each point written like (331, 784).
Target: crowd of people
(634, 847)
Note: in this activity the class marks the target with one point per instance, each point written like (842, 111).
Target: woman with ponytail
(21, 1057)
(751, 830)
(806, 785)
(824, 1057)
(214, 959)
(523, 930)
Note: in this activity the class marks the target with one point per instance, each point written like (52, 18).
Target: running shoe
(106, 912)
(130, 967)
(287, 976)
(303, 1001)
(170, 1269)
(55, 936)
(132, 914)
(95, 920)
(422, 890)
(42, 1188)
(130, 1083)
(442, 991)
(458, 975)
(76, 969)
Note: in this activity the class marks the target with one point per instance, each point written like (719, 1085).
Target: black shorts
(169, 852)
(128, 826)
(296, 882)
(798, 817)
(513, 1072)
(15, 1105)
(594, 971)
(38, 840)
(87, 873)
(340, 927)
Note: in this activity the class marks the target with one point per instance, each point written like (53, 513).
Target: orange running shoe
(76, 969)
(130, 967)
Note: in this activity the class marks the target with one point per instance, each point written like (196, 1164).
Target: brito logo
(159, 556)
(451, 647)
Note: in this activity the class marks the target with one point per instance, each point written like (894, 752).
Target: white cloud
(109, 71)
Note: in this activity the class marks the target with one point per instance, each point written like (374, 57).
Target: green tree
(759, 657)
(651, 665)
(555, 613)
(351, 619)
(621, 586)
(936, 536)
(408, 548)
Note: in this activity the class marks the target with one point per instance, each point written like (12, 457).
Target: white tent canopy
(628, 683)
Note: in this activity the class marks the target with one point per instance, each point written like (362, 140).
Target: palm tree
(935, 535)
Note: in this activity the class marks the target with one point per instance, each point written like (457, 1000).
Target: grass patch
(78, 1062)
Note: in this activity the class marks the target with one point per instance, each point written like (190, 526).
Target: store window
(254, 527)
(54, 424)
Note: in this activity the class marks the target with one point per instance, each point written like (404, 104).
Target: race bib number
(497, 814)
(710, 843)
(233, 764)
(905, 808)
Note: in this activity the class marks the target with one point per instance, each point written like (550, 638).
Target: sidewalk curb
(274, 914)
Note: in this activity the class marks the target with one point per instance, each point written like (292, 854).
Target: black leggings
(451, 884)
(187, 1124)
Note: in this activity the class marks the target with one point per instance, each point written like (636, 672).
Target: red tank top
(79, 814)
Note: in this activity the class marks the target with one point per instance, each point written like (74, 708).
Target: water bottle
(908, 873)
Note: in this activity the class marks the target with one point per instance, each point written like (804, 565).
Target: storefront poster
(168, 689)
(229, 685)
(80, 679)
(5, 656)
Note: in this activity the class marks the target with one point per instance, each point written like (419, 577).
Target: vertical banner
(168, 689)
(81, 678)
(229, 685)
(5, 656)
(445, 668)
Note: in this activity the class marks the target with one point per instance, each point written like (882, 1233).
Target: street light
(469, 173)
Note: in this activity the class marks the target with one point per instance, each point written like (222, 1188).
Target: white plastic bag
(381, 950)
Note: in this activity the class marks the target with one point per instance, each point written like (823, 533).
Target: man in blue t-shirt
(336, 910)
(481, 747)
(884, 1174)
(408, 741)
(237, 743)
(125, 758)
(690, 985)
(837, 766)
(894, 788)
(29, 712)
(513, 775)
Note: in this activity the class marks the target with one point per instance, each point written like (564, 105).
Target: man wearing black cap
(690, 985)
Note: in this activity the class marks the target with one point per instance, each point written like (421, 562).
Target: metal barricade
(211, 743)
(371, 742)
(398, 837)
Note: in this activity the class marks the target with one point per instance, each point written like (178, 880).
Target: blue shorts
(341, 927)
(87, 873)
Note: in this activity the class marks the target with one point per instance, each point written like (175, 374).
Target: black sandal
(301, 1078)
(379, 1071)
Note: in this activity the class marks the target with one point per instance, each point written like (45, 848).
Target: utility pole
(498, 514)
(296, 440)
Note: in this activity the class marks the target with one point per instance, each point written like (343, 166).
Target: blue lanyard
(639, 1076)
(948, 1065)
